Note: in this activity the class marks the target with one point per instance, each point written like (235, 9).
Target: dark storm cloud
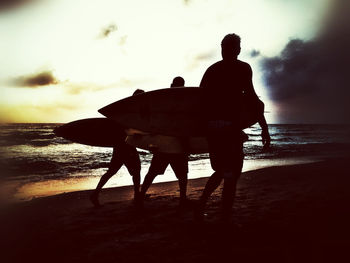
(36, 80)
(11, 4)
(254, 53)
(309, 80)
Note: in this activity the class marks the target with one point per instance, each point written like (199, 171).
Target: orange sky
(62, 60)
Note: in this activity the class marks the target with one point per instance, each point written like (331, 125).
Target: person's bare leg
(228, 196)
(212, 183)
(146, 184)
(230, 184)
(104, 179)
(136, 180)
(183, 189)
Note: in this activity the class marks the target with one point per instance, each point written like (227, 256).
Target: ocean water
(34, 162)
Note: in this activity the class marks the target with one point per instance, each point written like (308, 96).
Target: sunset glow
(100, 51)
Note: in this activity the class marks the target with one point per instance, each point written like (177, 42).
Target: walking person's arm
(249, 90)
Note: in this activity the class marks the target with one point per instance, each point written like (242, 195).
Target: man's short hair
(138, 91)
(178, 82)
(231, 41)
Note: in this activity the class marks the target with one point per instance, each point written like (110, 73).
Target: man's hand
(265, 138)
(265, 133)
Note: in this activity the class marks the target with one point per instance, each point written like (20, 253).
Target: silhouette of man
(123, 154)
(224, 84)
(160, 161)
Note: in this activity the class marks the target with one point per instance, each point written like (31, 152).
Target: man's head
(230, 46)
(178, 82)
(138, 91)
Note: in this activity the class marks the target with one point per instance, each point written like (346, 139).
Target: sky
(62, 60)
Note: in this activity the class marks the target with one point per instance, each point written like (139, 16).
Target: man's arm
(205, 79)
(249, 90)
(266, 140)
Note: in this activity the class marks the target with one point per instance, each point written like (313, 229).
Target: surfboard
(101, 132)
(173, 112)
(168, 144)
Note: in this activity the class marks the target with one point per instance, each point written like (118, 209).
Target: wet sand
(297, 213)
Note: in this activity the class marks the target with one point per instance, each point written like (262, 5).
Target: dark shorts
(178, 162)
(225, 147)
(126, 155)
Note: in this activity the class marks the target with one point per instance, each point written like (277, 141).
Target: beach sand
(296, 213)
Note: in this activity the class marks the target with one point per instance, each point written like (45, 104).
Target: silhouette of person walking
(160, 161)
(224, 84)
(123, 154)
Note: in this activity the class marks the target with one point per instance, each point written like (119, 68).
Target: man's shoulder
(224, 66)
(222, 63)
(215, 65)
(243, 64)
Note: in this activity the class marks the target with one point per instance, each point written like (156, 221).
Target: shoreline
(51, 187)
(296, 213)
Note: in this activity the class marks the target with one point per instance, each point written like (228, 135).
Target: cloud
(33, 81)
(6, 5)
(309, 80)
(205, 56)
(108, 30)
(200, 58)
(254, 53)
(79, 88)
(122, 40)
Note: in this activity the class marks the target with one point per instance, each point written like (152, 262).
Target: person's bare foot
(185, 203)
(94, 200)
(199, 214)
(138, 200)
